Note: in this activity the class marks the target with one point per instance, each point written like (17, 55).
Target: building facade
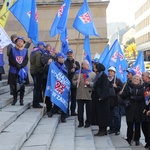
(47, 10)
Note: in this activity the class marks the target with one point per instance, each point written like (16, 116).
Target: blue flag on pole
(64, 40)
(26, 13)
(87, 51)
(104, 54)
(64, 18)
(120, 73)
(84, 22)
(60, 21)
(57, 87)
(111, 59)
(139, 66)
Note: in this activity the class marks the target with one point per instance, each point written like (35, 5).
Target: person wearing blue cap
(60, 57)
(18, 59)
(130, 74)
(72, 66)
(36, 71)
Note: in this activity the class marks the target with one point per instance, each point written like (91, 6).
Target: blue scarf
(97, 77)
(62, 67)
(84, 72)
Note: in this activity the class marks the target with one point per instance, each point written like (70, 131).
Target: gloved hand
(18, 66)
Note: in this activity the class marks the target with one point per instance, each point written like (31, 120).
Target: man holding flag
(58, 87)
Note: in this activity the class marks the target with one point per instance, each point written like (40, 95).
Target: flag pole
(4, 14)
(77, 45)
(57, 40)
(80, 68)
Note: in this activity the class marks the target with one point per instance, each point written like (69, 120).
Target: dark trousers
(47, 99)
(88, 107)
(37, 92)
(115, 118)
(136, 127)
(146, 131)
(55, 110)
(73, 100)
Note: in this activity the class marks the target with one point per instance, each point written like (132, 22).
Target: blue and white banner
(57, 87)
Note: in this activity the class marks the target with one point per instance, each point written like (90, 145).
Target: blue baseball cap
(131, 71)
(70, 51)
(19, 37)
(60, 55)
(41, 43)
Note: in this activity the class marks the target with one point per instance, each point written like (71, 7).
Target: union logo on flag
(137, 69)
(36, 15)
(60, 11)
(121, 70)
(19, 59)
(86, 18)
(59, 87)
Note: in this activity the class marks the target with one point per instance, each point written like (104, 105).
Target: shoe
(21, 103)
(63, 120)
(111, 131)
(117, 133)
(50, 114)
(87, 125)
(14, 102)
(74, 114)
(146, 145)
(80, 125)
(101, 133)
(137, 143)
(37, 106)
(129, 142)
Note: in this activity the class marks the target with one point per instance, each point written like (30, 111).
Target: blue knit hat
(41, 43)
(60, 55)
(19, 37)
(131, 71)
(70, 51)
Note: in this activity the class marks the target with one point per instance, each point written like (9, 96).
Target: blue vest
(1, 58)
(19, 56)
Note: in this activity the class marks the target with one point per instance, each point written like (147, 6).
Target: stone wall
(46, 14)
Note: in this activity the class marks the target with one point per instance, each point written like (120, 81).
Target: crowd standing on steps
(104, 96)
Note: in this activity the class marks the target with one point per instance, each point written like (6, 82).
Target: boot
(21, 97)
(15, 98)
(102, 132)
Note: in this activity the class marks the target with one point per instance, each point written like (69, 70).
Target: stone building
(47, 10)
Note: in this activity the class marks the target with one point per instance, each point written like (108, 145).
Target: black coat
(135, 95)
(100, 108)
(69, 65)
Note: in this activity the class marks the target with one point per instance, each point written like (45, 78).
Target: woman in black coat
(134, 94)
(100, 102)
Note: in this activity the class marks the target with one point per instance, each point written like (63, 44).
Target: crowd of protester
(104, 96)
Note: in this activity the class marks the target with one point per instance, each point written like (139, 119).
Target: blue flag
(26, 13)
(139, 66)
(120, 73)
(64, 18)
(64, 40)
(104, 54)
(60, 21)
(57, 87)
(111, 59)
(87, 51)
(84, 22)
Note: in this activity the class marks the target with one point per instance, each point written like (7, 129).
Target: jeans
(37, 92)
(115, 124)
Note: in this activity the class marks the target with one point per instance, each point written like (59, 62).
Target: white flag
(4, 38)
(97, 56)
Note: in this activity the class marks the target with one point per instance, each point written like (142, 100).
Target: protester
(61, 66)
(100, 102)
(130, 74)
(146, 117)
(2, 71)
(116, 84)
(13, 37)
(83, 79)
(18, 59)
(46, 58)
(134, 94)
(72, 66)
(36, 70)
